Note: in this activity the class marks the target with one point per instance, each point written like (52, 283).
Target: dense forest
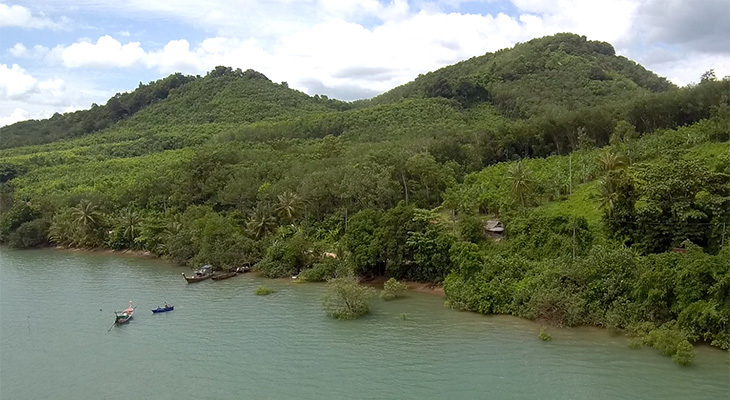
(612, 185)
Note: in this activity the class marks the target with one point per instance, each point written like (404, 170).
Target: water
(224, 342)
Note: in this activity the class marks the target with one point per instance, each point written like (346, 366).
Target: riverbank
(125, 252)
(422, 287)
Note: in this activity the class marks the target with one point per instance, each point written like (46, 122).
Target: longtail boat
(224, 275)
(121, 317)
(200, 275)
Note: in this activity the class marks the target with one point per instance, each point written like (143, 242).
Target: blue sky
(59, 56)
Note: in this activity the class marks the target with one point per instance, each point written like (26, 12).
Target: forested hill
(613, 186)
(224, 95)
(546, 75)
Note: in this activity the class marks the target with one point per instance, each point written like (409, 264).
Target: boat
(168, 307)
(223, 275)
(121, 317)
(200, 275)
(243, 269)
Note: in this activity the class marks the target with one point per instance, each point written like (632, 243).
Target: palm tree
(520, 178)
(288, 206)
(87, 219)
(86, 214)
(610, 161)
(131, 224)
(261, 222)
(61, 230)
(608, 196)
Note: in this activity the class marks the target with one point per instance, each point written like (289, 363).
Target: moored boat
(243, 269)
(200, 275)
(121, 317)
(166, 308)
(223, 275)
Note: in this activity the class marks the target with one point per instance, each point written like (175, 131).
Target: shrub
(30, 234)
(263, 291)
(287, 256)
(392, 289)
(346, 299)
(544, 335)
(668, 339)
(325, 270)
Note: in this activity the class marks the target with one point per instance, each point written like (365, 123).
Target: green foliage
(670, 341)
(679, 200)
(392, 289)
(264, 291)
(345, 298)
(328, 268)
(539, 236)
(471, 228)
(544, 335)
(30, 234)
(289, 254)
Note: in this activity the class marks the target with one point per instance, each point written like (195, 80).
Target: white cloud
(682, 73)
(15, 83)
(18, 86)
(19, 16)
(106, 53)
(20, 51)
(16, 115)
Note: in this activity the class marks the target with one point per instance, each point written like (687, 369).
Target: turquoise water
(224, 342)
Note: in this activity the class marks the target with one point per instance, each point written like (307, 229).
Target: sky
(62, 56)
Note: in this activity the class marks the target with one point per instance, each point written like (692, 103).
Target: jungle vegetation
(613, 185)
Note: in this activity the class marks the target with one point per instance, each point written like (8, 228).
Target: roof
(494, 226)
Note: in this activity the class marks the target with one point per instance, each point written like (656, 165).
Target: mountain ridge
(521, 81)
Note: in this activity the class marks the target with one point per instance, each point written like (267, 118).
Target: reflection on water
(224, 342)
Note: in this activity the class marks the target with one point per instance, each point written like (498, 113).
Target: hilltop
(546, 75)
(551, 75)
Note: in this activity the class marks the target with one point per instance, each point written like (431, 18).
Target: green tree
(610, 161)
(393, 289)
(88, 222)
(289, 206)
(519, 177)
(345, 298)
(261, 222)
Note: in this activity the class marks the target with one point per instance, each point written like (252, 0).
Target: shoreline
(126, 253)
(421, 287)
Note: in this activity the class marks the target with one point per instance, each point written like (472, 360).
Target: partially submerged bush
(345, 298)
(668, 339)
(263, 291)
(544, 335)
(392, 289)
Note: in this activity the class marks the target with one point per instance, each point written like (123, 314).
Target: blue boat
(167, 308)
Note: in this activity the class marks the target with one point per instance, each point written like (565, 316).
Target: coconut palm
(610, 161)
(608, 196)
(131, 224)
(62, 228)
(87, 220)
(289, 206)
(519, 175)
(87, 215)
(261, 222)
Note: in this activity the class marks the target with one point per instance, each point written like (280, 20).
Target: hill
(224, 95)
(546, 75)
